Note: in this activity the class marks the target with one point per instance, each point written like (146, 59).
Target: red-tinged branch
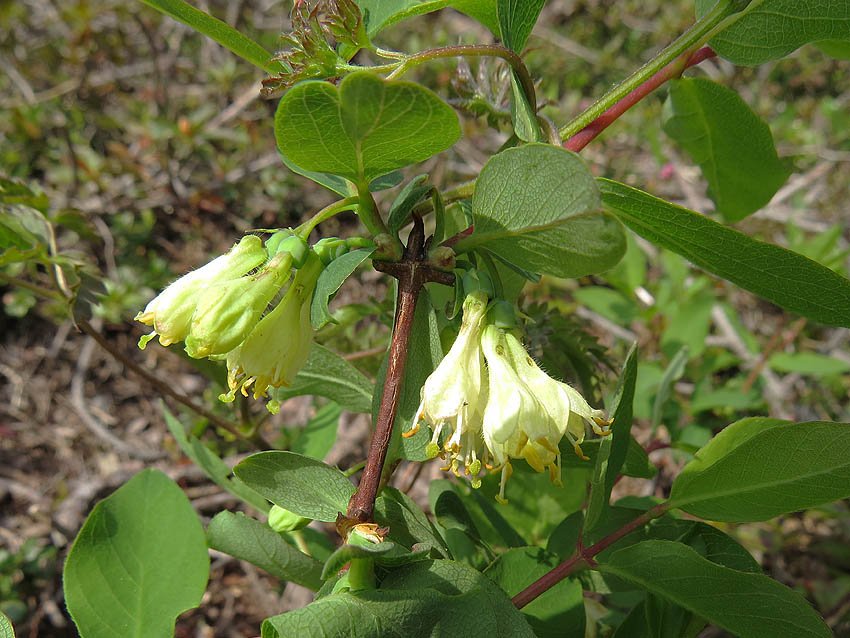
(673, 70)
(412, 273)
(584, 557)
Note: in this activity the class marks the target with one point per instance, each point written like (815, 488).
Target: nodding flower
(454, 395)
(278, 346)
(170, 312)
(490, 402)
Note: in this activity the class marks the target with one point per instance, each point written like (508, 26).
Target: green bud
(277, 347)
(503, 315)
(226, 313)
(170, 313)
(282, 520)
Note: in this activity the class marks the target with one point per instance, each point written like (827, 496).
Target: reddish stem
(672, 70)
(583, 558)
(412, 273)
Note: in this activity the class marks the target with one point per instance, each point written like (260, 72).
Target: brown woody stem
(412, 273)
(584, 557)
(168, 390)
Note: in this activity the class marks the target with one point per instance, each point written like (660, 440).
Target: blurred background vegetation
(150, 151)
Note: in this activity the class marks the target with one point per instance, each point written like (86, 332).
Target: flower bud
(277, 348)
(282, 520)
(227, 312)
(170, 312)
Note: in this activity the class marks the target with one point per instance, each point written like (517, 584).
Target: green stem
(700, 32)
(368, 211)
(349, 203)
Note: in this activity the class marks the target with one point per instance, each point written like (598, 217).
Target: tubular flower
(454, 395)
(277, 347)
(170, 312)
(567, 409)
(227, 312)
(516, 423)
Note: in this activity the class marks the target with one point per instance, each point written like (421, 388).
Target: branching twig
(584, 557)
(672, 70)
(168, 390)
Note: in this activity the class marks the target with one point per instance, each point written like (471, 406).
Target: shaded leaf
(748, 605)
(731, 144)
(326, 374)
(297, 483)
(332, 277)
(250, 540)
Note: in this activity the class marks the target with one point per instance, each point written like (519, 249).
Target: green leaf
(838, 49)
(317, 437)
(771, 29)
(551, 613)
(365, 128)
(250, 540)
(451, 513)
(297, 483)
(215, 29)
(731, 144)
(808, 363)
(784, 277)
(6, 629)
(516, 20)
(330, 281)
(387, 554)
(138, 562)
(326, 374)
(413, 192)
(759, 468)
(613, 448)
(423, 599)
(340, 185)
(379, 14)
(537, 206)
(216, 470)
(748, 605)
(407, 522)
(564, 538)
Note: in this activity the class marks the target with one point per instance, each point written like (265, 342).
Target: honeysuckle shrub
(521, 538)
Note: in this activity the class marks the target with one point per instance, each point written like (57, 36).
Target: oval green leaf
(771, 29)
(759, 468)
(746, 604)
(298, 483)
(249, 539)
(537, 206)
(365, 128)
(784, 277)
(138, 562)
(731, 144)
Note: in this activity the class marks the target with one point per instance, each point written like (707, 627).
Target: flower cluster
(489, 402)
(220, 312)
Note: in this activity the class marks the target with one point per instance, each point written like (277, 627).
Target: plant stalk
(412, 273)
(584, 557)
(673, 70)
(699, 33)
